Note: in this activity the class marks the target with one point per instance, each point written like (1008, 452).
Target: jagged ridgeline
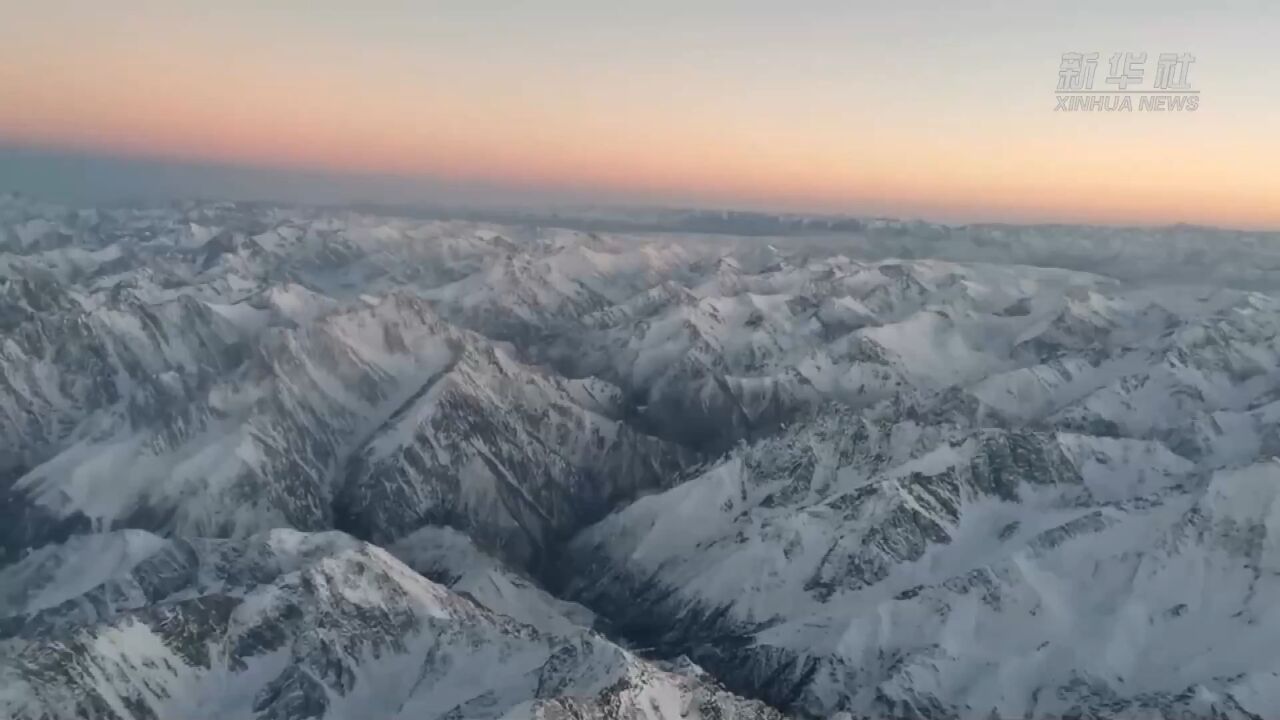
(278, 462)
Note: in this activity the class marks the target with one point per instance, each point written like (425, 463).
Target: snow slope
(861, 466)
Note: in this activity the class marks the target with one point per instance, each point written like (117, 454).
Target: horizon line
(52, 152)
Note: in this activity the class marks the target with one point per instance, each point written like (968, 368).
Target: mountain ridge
(897, 469)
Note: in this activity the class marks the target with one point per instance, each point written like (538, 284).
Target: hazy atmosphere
(930, 109)
(639, 360)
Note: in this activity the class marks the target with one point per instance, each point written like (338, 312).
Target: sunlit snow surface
(878, 468)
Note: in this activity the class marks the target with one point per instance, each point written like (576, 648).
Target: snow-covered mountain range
(287, 462)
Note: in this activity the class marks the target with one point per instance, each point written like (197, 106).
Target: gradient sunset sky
(943, 110)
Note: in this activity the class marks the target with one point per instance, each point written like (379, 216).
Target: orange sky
(797, 116)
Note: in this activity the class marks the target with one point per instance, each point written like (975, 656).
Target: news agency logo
(1170, 90)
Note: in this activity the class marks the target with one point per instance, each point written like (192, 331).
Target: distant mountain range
(285, 462)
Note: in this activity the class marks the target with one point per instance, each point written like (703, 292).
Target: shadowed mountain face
(298, 463)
